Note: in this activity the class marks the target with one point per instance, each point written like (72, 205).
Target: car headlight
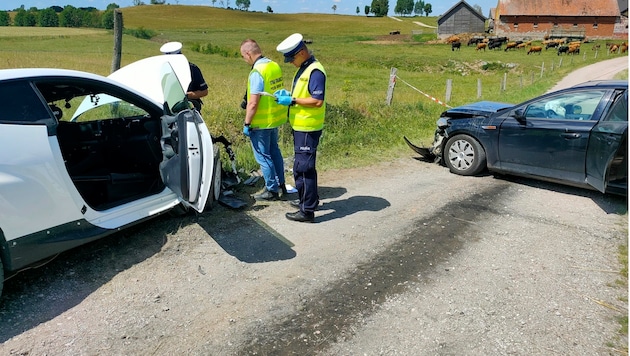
(442, 123)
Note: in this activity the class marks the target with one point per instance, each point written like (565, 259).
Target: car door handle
(571, 135)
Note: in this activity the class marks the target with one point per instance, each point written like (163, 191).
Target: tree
(358, 11)
(48, 18)
(70, 17)
(25, 18)
(380, 7)
(334, 8)
(107, 20)
(367, 10)
(158, 2)
(419, 8)
(138, 2)
(404, 7)
(112, 6)
(269, 10)
(243, 4)
(428, 9)
(5, 19)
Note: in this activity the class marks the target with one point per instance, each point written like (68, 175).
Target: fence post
(521, 78)
(542, 69)
(392, 84)
(596, 52)
(552, 63)
(449, 90)
(478, 88)
(118, 31)
(560, 62)
(504, 83)
(532, 77)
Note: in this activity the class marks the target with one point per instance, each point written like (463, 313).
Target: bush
(141, 33)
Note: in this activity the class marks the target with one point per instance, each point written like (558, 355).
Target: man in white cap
(307, 109)
(198, 88)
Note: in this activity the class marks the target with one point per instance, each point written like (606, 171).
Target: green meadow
(357, 52)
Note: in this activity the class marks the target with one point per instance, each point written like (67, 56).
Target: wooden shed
(461, 18)
(578, 19)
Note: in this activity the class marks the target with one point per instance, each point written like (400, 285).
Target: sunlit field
(357, 52)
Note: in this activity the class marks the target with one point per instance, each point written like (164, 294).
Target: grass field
(357, 52)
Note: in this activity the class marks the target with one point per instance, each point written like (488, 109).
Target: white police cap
(171, 48)
(290, 46)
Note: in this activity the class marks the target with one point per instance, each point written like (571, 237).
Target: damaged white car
(83, 156)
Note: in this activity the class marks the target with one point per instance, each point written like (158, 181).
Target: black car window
(579, 105)
(22, 105)
(619, 109)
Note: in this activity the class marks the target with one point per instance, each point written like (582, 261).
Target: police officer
(198, 88)
(263, 116)
(307, 109)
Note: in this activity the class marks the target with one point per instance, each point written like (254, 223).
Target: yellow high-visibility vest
(269, 113)
(304, 118)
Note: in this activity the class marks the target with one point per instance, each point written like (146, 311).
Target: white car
(83, 156)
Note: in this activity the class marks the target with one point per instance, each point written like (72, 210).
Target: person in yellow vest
(263, 116)
(307, 108)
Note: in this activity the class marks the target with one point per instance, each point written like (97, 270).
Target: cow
(481, 46)
(623, 48)
(495, 44)
(456, 46)
(563, 49)
(534, 49)
(596, 47)
(522, 45)
(394, 33)
(475, 40)
(552, 44)
(574, 50)
(452, 39)
(511, 45)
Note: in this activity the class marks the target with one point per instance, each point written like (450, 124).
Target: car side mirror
(519, 115)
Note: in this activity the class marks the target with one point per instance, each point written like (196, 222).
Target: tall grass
(357, 52)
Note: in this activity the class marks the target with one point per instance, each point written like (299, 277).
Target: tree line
(403, 7)
(56, 16)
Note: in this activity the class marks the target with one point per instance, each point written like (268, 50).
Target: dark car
(575, 136)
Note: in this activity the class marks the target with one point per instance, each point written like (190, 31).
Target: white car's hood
(144, 77)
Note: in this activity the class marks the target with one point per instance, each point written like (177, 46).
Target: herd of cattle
(562, 46)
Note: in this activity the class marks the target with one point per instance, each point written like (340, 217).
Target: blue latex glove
(246, 130)
(281, 92)
(284, 100)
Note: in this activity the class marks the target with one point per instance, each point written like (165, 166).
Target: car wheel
(1, 277)
(464, 155)
(215, 190)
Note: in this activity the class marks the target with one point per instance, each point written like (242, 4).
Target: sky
(344, 7)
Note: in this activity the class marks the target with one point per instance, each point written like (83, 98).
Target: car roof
(611, 83)
(22, 73)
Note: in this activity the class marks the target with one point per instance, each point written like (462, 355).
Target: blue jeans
(267, 154)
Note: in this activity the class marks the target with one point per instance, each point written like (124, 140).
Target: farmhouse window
(574, 25)
(595, 25)
(515, 25)
(535, 24)
(555, 24)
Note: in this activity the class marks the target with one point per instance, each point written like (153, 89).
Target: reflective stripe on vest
(304, 118)
(269, 113)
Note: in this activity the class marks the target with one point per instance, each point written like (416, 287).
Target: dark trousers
(304, 171)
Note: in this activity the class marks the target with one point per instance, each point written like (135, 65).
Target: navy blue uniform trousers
(304, 171)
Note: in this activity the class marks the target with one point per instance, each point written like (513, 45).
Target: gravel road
(404, 259)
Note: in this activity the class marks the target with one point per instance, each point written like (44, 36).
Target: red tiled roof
(558, 7)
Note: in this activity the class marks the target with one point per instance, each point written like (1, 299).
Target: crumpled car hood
(480, 108)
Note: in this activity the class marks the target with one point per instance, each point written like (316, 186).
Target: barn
(577, 19)
(461, 18)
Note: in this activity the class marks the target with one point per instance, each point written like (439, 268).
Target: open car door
(187, 163)
(606, 157)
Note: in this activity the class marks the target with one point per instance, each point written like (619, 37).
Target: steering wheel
(550, 114)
